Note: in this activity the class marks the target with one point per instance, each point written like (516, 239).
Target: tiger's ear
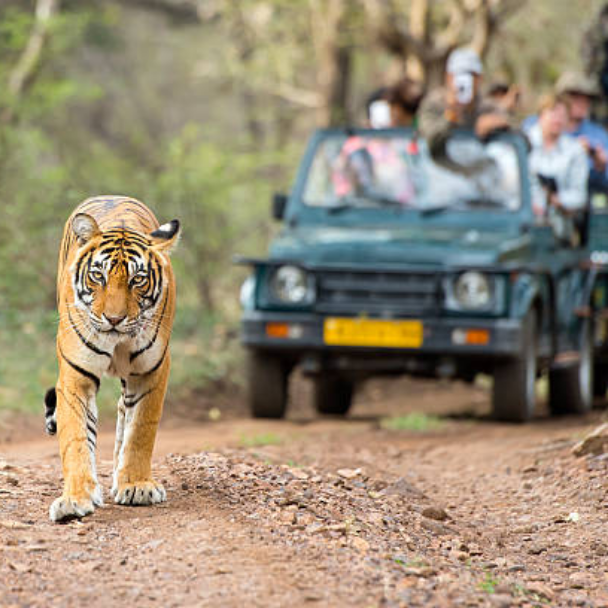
(165, 237)
(85, 227)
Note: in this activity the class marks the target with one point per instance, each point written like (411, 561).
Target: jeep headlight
(473, 291)
(291, 285)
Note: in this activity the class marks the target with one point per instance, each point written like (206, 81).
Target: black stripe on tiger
(158, 364)
(161, 317)
(88, 344)
(80, 370)
(131, 400)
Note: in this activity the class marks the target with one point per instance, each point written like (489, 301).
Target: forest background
(202, 108)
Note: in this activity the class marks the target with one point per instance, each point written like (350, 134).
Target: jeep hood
(443, 246)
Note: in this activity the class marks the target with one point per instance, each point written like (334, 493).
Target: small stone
(573, 517)
(435, 527)
(185, 486)
(20, 568)
(349, 473)
(222, 570)
(12, 524)
(578, 580)
(501, 600)
(436, 513)
(402, 487)
(595, 443)
(422, 571)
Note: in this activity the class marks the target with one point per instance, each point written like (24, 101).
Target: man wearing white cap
(459, 104)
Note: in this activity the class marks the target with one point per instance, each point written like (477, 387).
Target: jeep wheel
(571, 386)
(267, 377)
(513, 395)
(333, 395)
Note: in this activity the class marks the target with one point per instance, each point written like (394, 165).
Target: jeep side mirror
(279, 202)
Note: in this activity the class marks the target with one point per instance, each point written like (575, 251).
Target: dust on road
(312, 512)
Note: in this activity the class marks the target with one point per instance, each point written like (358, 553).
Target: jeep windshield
(394, 170)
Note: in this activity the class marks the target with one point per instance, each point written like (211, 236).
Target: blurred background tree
(201, 108)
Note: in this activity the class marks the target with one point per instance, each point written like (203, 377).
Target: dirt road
(306, 512)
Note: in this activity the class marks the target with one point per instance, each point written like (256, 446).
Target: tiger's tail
(50, 407)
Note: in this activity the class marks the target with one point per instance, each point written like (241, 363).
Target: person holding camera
(578, 92)
(459, 102)
(559, 168)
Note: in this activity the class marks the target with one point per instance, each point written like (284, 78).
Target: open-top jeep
(390, 262)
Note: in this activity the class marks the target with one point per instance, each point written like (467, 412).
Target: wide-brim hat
(577, 82)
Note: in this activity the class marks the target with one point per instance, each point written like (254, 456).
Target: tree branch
(26, 66)
(28, 62)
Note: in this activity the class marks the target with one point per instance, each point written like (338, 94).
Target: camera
(593, 153)
(463, 84)
(548, 182)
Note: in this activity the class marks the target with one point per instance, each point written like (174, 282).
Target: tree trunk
(416, 66)
(205, 290)
(333, 59)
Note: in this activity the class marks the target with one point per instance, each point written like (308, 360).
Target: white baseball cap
(464, 60)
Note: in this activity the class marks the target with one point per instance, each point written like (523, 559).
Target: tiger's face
(118, 278)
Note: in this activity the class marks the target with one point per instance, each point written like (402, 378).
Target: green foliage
(412, 422)
(261, 440)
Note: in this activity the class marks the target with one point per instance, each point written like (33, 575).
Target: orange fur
(116, 300)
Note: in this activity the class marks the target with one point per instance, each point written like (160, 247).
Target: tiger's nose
(114, 321)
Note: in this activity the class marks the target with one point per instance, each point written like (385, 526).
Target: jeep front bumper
(449, 336)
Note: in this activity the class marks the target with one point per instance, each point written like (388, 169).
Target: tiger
(116, 298)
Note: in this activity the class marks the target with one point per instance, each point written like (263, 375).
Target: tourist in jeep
(559, 167)
(459, 103)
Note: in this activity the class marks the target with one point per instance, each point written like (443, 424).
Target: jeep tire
(513, 394)
(571, 386)
(267, 384)
(332, 395)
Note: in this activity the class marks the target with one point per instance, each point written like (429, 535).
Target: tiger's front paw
(65, 508)
(139, 493)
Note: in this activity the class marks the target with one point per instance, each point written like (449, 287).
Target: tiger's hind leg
(76, 413)
(140, 409)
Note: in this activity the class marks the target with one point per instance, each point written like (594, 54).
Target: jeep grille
(377, 293)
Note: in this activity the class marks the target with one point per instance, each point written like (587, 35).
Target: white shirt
(566, 162)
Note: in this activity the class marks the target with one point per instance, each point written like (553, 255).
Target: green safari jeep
(390, 262)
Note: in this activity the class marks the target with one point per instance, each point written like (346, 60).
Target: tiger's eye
(96, 276)
(139, 280)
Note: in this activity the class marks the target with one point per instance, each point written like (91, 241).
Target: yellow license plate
(373, 332)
